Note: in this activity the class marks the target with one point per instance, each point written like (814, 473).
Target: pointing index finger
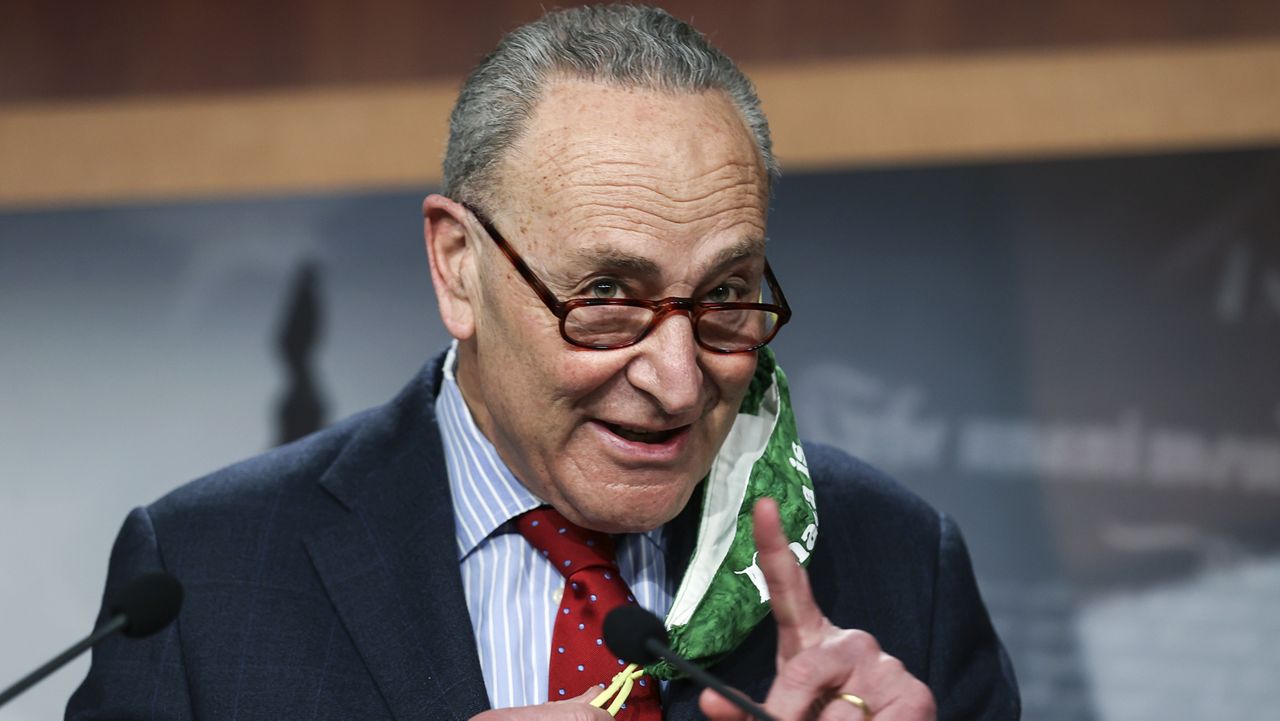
(794, 609)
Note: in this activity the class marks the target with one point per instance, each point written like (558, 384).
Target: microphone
(638, 636)
(144, 607)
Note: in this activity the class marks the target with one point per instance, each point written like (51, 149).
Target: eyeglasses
(611, 323)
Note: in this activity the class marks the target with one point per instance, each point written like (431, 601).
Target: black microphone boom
(638, 636)
(145, 606)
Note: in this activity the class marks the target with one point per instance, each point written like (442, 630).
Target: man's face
(616, 193)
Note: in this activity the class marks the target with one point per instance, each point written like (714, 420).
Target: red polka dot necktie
(592, 588)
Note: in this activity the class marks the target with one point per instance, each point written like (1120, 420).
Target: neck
(465, 374)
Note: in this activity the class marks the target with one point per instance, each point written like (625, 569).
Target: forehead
(601, 165)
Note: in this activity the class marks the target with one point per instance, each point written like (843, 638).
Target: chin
(635, 502)
(625, 521)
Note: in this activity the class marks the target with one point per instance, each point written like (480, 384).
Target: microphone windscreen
(627, 629)
(148, 603)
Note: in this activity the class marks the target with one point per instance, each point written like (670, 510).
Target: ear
(452, 260)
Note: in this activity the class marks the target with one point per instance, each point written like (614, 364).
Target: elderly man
(597, 436)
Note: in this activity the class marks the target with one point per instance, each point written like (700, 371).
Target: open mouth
(638, 436)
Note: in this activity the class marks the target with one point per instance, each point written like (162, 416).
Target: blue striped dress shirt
(512, 592)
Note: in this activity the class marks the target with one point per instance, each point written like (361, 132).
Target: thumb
(718, 708)
(591, 712)
(574, 709)
(585, 697)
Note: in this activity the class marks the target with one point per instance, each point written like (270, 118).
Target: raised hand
(824, 672)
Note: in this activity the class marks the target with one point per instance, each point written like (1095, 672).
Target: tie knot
(571, 548)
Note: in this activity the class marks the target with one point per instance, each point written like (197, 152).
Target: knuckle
(858, 643)
(891, 665)
(801, 669)
(918, 701)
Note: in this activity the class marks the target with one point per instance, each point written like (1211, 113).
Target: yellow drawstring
(621, 684)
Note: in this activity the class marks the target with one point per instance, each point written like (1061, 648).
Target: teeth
(641, 436)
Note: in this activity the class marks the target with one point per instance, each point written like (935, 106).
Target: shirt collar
(486, 494)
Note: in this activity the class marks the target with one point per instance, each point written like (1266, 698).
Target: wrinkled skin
(653, 195)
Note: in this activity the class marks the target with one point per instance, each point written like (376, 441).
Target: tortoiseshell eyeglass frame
(660, 308)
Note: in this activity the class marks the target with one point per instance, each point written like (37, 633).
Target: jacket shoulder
(849, 487)
(876, 562)
(290, 469)
(356, 444)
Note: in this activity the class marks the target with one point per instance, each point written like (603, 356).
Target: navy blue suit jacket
(322, 582)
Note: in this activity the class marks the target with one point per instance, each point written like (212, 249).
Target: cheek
(582, 373)
(536, 368)
(732, 375)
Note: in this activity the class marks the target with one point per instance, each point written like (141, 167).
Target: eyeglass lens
(619, 325)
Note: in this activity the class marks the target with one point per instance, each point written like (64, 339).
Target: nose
(667, 366)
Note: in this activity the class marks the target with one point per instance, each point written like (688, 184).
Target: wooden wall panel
(824, 115)
(77, 50)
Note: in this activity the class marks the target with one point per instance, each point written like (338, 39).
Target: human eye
(604, 288)
(731, 291)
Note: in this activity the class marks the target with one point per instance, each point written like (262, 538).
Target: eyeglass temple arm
(779, 296)
(543, 292)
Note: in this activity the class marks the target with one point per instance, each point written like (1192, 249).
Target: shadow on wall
(302, 408)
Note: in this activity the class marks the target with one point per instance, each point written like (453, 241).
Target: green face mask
(723, 595)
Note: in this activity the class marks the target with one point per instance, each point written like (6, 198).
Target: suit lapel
(750, 667)
(390, 566)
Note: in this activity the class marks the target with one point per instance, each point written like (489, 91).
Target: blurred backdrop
(1033, 251)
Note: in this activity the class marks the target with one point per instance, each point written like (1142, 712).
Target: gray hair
(626, 45)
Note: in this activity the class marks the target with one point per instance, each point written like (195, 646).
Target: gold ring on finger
(856, 701)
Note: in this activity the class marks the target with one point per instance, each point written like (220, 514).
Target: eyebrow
(611, 258)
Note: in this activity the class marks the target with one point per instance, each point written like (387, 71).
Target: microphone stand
(661, 650)
(112, 626)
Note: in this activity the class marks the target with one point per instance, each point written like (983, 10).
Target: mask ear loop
(622, 684)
